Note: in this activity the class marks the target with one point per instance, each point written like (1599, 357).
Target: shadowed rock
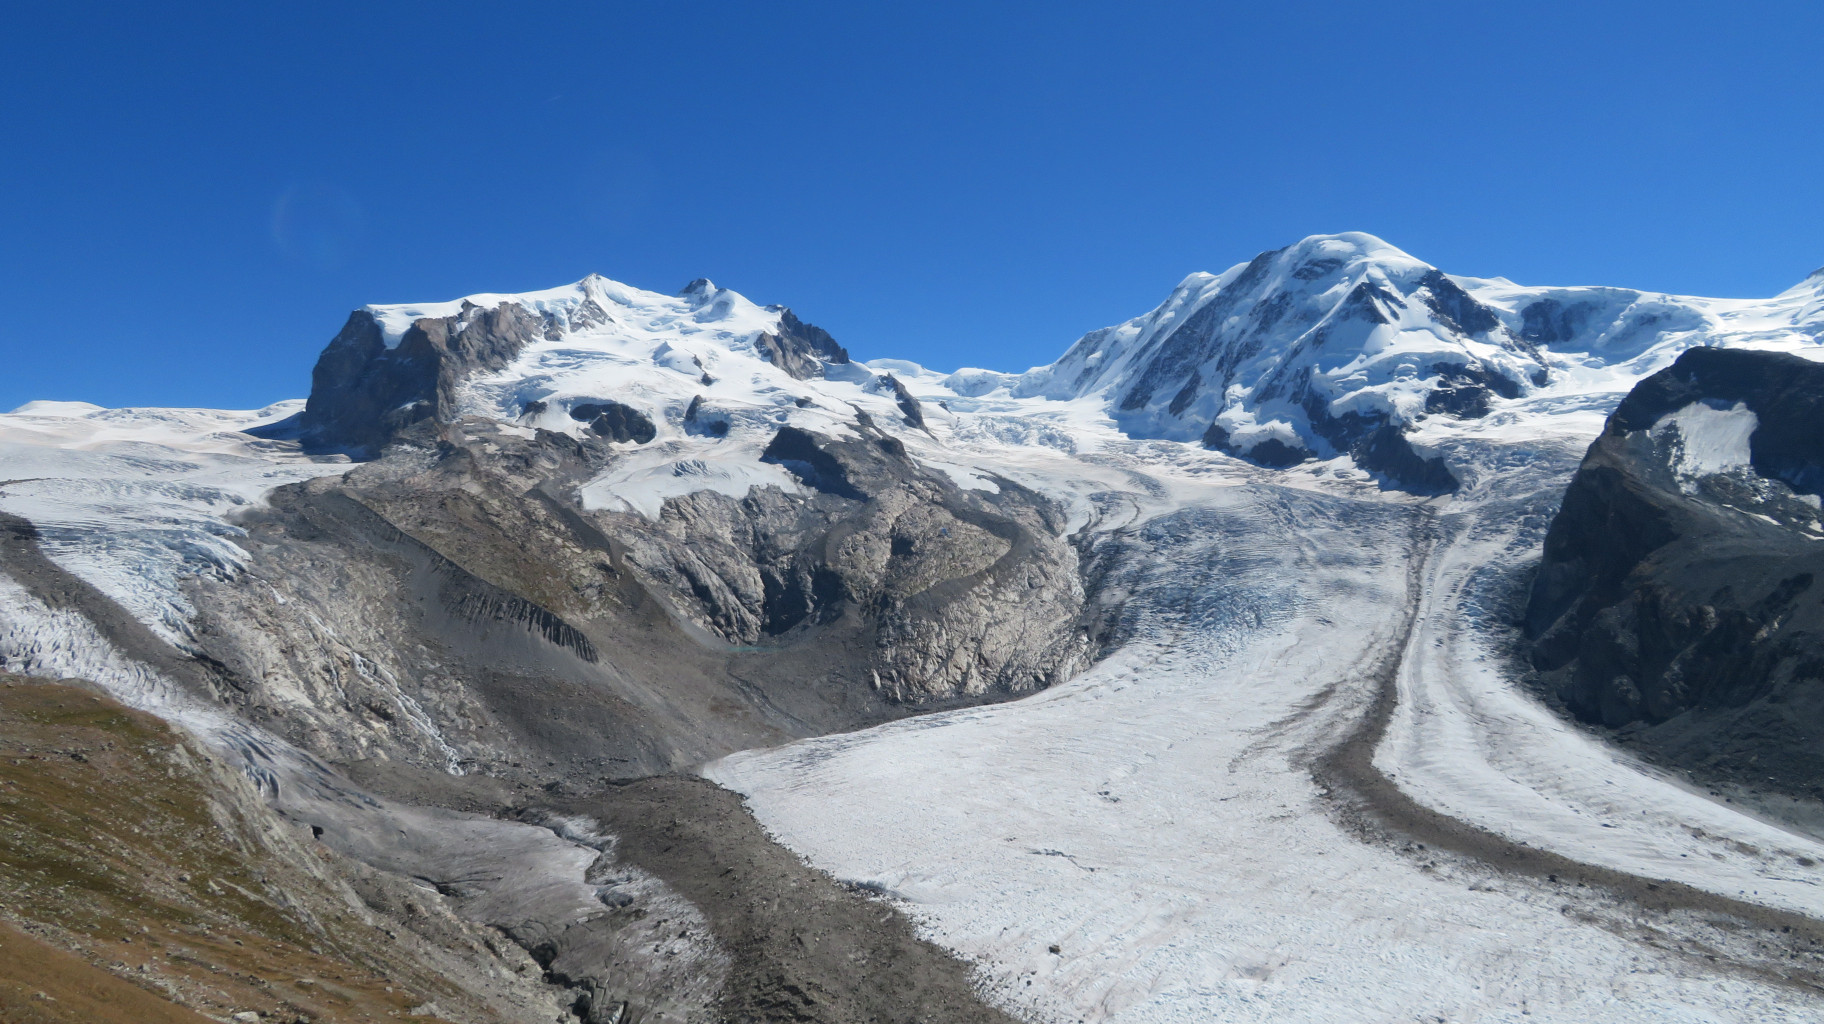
(907, 402)
(1684, 604)
(615, 421)
(362, 393)
(800, 349)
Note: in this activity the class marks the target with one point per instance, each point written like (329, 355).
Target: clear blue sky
(195, 195)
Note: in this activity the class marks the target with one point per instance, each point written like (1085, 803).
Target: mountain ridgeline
(1342, 345)
(367, 386)
(463, 624)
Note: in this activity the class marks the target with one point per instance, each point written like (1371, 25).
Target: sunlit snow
(1155, 819)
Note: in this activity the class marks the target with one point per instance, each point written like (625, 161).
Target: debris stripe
(1373, 807)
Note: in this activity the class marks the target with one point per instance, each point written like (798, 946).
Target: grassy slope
(118, 853)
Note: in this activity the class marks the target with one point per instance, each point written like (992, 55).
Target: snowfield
(1164, 838)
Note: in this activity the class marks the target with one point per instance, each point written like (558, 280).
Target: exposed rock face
(486, 617)
(801, 349)
(363, 392)
(963, 593)
(615, 421)
(907, 402)
(1679, 588)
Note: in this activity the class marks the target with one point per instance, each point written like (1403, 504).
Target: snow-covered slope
(1341, 344)
(705, 362)
(1339, 347)
(393, 366)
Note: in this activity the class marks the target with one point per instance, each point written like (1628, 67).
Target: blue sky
(195, 196)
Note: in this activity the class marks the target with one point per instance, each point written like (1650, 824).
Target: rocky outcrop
(907, 402)
(800, 349)
(1373, 442)
(1678, 595)
(363, 391)
(368, 387)
(477, 613)
(615, 421)
(956, 594)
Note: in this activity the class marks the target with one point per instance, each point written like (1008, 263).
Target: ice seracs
(135, 501)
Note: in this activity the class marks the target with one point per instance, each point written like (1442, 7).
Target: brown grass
(121, 859)
(40, 984)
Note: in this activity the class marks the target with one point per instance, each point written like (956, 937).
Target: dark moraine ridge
(1772, 945)
(805, 947)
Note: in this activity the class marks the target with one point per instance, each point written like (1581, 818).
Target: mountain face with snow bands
(1340, 640)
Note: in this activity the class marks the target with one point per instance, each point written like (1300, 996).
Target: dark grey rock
(1693, 615)
(801, 349)
(699, 418)
(1549, 321)
(615, 421)
(1380, 446)
(1271, 453)
(907, 402)
(1186, 394)
(805, 455)
(363, 393)
(1463, 391)
(1455, 307)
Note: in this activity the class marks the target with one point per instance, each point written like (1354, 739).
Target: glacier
(1308, 486)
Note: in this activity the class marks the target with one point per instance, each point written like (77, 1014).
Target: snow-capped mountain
(517, 547)
(1337, 347)
(393, 365)
(1343, 344)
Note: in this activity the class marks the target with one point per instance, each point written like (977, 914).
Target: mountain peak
(1332, 345)
(557, 350)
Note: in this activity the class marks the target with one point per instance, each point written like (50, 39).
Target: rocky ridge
(1677, 597)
